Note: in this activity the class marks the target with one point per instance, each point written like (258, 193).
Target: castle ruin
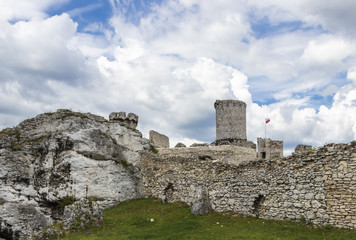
(130, 121)
(269, 149)
(57, 154)
(231, 123)
(230, 120)
(315, 185)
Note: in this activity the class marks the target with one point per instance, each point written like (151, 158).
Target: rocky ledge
(58, 166)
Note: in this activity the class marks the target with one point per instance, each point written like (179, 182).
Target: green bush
(66, 201)
(153, 150)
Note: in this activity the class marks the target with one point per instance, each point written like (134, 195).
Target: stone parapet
(235, 142)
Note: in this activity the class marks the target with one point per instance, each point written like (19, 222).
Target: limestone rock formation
(54, 160)
(82, 213)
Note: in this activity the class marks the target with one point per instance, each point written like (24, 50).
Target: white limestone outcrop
(55, 160)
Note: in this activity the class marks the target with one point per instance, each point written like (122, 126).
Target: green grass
(131, 220)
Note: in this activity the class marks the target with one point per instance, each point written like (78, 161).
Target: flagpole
(267, 120)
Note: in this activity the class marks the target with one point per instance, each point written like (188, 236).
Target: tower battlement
(130, 121)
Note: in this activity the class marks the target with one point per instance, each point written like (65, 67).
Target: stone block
(201, 206)
(158, 140)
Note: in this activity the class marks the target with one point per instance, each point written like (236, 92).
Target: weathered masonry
(158, 140)
(269, 149)
(319, 186)
(230, 119)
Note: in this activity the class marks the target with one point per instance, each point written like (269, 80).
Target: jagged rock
(179, 145)
(201, 206)
(54, 156)
(82, 213)
(48, 234)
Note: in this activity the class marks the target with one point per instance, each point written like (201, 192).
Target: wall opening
(168, 193)
(263, 154)
(257, 204)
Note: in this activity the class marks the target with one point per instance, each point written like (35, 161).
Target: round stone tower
(230, 120)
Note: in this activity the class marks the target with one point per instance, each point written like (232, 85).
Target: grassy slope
(132, 220)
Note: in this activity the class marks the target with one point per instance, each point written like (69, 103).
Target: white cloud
(351, 75)
(327, 50)
(33, 54)
(180, 58)
(39, 47)
(26, 10)
(333, 16)
(79, 11)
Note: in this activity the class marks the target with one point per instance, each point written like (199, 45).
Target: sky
(168, 61)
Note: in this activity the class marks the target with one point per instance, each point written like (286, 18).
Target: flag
(268, 120)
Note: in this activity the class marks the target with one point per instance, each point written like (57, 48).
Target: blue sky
(84, 12)
(168, 61)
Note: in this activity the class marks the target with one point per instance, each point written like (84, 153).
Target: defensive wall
(313, 185)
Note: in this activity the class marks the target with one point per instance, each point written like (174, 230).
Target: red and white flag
(268, 120)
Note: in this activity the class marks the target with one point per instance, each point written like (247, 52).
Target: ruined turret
(130, 121)
(231, 123)
(230, 120)
(269, 149)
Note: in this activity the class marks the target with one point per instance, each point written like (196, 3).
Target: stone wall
(340, 183)
(302, 149)
(269, 149)
(224, 154)
(318, 186)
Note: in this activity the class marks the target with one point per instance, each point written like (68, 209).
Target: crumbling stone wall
(302, 149)
(340, 183)
(269, 149)
(318, 186)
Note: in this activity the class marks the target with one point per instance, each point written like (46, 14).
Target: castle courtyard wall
(318, 186)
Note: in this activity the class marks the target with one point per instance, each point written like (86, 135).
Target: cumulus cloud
(171, 63)
(334, 16)
(179, 96)
(34, 54)
(26, 10)
(326, 50)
